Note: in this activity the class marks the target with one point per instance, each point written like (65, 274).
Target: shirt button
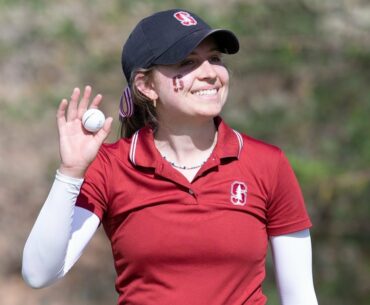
(191, 192)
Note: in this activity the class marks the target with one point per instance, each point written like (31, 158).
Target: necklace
(183, 166)
(195, 166)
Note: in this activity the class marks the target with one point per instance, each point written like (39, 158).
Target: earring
(154, 103)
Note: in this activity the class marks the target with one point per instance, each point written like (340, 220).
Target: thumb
(103, 133)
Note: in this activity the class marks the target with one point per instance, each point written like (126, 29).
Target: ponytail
(144, 112)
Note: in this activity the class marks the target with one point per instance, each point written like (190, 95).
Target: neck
(186, 145)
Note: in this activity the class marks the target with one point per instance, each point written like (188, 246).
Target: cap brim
(225, 40)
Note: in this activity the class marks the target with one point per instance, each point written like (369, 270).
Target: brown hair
(144, 112)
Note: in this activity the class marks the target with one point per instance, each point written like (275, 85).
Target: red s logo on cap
(185, 18)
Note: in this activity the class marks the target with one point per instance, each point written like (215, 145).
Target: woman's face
(197, 87)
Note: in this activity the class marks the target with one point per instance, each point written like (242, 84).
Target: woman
(188, 203)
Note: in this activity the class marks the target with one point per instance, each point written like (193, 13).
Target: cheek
(223, 74)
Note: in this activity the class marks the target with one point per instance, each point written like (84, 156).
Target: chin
(209, 114)
(213, 110)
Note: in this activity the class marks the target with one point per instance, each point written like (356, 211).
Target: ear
(145, 86)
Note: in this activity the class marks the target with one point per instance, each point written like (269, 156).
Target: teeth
(206, 92)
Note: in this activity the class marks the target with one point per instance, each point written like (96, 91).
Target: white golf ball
(93, 119)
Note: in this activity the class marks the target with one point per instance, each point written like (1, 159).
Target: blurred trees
(300, 81)
(306, 66)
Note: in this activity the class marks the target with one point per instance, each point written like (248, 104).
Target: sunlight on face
(196, 86)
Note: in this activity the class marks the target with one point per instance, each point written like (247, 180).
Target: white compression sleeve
(59, 235)
(292, 256)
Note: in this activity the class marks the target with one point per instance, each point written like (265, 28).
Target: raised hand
(78, 147)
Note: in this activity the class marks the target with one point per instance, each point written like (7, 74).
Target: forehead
(207, 45)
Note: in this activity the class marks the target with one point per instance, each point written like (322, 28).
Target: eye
(187, 62)
(215, 59)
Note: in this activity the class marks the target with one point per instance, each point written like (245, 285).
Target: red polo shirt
(200, 243)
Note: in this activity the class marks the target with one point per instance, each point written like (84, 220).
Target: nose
(207, 71)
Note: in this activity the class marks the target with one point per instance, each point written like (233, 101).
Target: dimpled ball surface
(93, 120)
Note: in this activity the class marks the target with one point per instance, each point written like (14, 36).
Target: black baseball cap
(167, 37)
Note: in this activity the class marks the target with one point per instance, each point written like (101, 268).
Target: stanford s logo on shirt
(238, 193)
(185, 18)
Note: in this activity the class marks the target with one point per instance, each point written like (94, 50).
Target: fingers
(73, 103)
(85, 101)
(82, 107)
(75, 108)
(107, 125)
(96, 101)
(61, 112)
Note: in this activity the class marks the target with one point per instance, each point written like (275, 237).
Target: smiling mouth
(206, 92)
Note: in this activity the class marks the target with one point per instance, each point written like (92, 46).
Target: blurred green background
(301, 81)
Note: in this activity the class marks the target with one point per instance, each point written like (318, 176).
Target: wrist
(72, 172)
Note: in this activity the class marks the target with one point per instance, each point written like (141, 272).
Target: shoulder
(115, 149)
(261, 157)
(110, 153)
(111, 160)
(254, 147)
(268, 161)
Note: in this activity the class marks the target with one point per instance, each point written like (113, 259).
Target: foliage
(300, 81)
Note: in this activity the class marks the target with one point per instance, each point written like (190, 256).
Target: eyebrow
(210, 51)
